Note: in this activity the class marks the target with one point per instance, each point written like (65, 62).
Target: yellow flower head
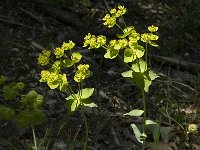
(44, 75)
(192, 128)
(152, 28)
(59, 52)
(68, 46)
(82, 73)
(43, 58)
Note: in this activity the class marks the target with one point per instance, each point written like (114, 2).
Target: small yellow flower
(68, 46)
(152, 28)
(44, 75)
(82, 73)
(192, 128)
(59, 52)
(43, 58)
(113, 11)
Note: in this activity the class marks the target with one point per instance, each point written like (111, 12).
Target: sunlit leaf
(135, 112)
(91, 105)
(137, 133)
(86, 93)
(141, 66)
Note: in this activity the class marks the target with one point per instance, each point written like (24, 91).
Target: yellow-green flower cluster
(110, 20)
(2, 79)
(68, 46)
(150, 37)
(44, 75)
(43, 58)
(118, 44)
(59, 51)
(82, 73)
(152, 28)
(49, 77)
(93, 41)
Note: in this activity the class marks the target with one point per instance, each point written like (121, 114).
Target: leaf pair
(140, 75)
(79, 99)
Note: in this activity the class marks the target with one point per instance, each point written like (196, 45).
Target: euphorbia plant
(56, 77)
(130, 43)
(26, 109)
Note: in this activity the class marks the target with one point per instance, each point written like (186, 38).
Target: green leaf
(148, 122)
(10, 91)
(127, 74)
(33, 99)
(76, 57)
(111, 53)
(137, 133)
(86, 93)
(135, 112)
(75, 104)
(127, 31)
(28, 117)
(165, 133)
(141, 66)
(67, 63)
(53, 85)
(64, 83)
(129, 55)
(139, 51)
(147, 83)
(6, 113)
(152, 75)
(154, 129)
(91, 105)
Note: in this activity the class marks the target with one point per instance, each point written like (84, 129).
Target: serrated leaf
(28, 117)
(137, 133)
(6, 113)
(135, 112)
(141, 66)
(10, 91)
(33, 99)
(91, 105)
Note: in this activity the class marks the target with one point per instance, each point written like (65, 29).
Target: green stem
(119, 27)
(34, 138)
(86, 130)
(144, 117)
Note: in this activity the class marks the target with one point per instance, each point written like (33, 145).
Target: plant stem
(86, 130)
(144, 117)
(34, 138)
